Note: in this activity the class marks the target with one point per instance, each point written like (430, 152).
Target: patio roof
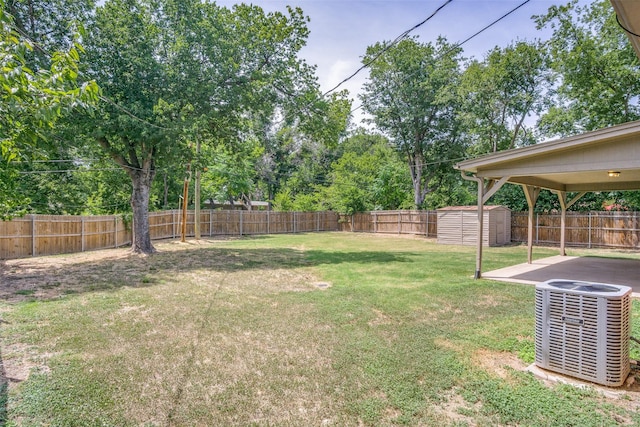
(629, 19)
(577, 163)
(603, 160)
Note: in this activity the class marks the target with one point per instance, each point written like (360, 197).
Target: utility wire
(386, 48)
(457, 45)
(80, 72)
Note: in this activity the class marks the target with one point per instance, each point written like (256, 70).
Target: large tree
(597, 71)
(33, 96)
(176, 71)
(503, 94)
(412, 97)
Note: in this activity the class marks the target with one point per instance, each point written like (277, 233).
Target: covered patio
(603, 160)
(618, 271)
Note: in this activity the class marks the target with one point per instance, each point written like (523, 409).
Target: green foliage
(500, 93)
(32, 101)
(368, 175)
(183, 72)
(597, 70)
(412, 97)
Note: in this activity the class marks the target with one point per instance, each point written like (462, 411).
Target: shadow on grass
(49, 278)
(4, 393)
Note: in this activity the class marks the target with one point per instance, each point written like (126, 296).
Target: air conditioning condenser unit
(582, 330)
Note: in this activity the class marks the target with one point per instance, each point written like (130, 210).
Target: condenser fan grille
(583, 333)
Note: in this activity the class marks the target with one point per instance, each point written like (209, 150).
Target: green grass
(238, 333)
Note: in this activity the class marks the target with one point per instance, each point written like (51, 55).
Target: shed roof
(473, 208)
(578, 163)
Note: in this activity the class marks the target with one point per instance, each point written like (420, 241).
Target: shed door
(500, 230)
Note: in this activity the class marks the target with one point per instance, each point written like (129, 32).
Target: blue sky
(341, 30)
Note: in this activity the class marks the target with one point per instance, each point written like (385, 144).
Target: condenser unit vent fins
(582, 330)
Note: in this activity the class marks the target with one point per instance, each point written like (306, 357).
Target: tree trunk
(141, 174)
(141, 236)
(415, 165)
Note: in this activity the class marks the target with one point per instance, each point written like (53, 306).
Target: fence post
(82, 234)
(352, 222)
(240, 221)
(399, 218)
(317, 221)
(294, 221)
(268, 221)
(210, 222)
(589, 246)
(426, 233)
(537, 227)
(33, 235)
(115, 231)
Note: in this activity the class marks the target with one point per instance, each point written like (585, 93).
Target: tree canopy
(411, 94)
(193, 88)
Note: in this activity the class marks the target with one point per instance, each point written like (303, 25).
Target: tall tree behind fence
(35, 235)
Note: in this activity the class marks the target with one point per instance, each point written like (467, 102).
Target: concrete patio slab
(617, 271)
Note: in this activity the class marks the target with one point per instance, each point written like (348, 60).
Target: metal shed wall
(457, 225)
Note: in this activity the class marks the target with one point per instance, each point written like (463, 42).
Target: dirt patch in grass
(498, 362)
(50, 277)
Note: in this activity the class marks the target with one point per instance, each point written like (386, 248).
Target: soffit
(628, 12)
(578, 163)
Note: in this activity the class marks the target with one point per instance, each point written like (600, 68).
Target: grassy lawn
(330, 329)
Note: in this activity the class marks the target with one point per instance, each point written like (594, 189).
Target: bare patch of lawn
(319, 329)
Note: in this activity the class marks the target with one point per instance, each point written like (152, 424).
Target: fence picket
(49, 234)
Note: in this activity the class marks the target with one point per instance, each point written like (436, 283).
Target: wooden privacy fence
(583, 229)
(35, 235)
(392, 222)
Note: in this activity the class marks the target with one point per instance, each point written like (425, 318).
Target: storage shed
(458, 225)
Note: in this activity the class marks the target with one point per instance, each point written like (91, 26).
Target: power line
(457, 45)
(80, 72)
(386, 48)
(68, 170)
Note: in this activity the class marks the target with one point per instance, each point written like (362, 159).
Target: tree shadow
(49, 278)
(4, 393)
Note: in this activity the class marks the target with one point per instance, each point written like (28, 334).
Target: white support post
(478, 272)
(531, 194)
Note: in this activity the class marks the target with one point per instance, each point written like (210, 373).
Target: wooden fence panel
(583, 229)
(15, 238)
(36, 235)
(392, 222)
(163, 225)
(52, 234)
(98, 232)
